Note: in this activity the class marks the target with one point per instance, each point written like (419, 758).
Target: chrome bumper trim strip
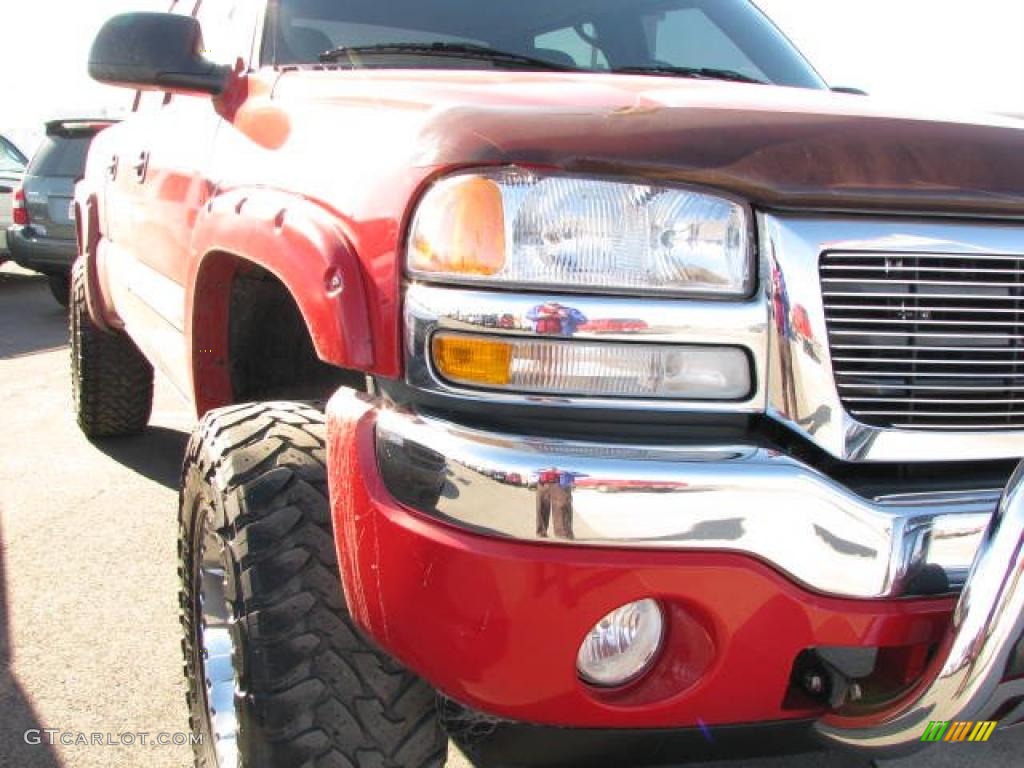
(734, 498)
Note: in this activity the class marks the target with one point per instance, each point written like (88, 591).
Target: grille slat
(863, 257)
(928, 341)
(920, 361)
(942, 375)
(937, 413)
(889, 295)
(929, 335)
(930, 400)
(938, 426)
(884, 308)
(956, 283)
(926, 388)
(895, 348)
(945, 270)
(910, 321)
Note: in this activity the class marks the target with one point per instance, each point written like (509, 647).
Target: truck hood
(782, 148)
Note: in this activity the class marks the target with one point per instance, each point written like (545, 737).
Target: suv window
(599, 35)
(10, 158)
(61, 157)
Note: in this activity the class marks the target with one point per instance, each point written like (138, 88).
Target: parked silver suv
(42, 237)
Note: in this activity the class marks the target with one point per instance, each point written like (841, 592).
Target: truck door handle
(112, 168)
(140, 166)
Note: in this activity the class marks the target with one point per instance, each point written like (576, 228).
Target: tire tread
(318, 693)
(112, 381)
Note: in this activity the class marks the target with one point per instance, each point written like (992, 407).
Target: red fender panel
(304, 247)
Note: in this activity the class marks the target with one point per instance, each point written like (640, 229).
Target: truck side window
(570, 43)
(150, 101)
(688, 38)
(227, 31)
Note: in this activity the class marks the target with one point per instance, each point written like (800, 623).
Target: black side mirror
(848, 89)
(155, 51)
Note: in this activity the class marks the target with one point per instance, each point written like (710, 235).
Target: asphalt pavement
(89, 639)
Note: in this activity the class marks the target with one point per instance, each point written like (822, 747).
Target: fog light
(594, 369)
(623, 645)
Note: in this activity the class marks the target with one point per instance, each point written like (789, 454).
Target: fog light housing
(623, 645)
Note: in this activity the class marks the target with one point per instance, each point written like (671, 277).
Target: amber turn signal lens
(460, 229)
(468, 360)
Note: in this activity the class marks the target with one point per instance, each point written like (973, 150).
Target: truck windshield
(685, 38)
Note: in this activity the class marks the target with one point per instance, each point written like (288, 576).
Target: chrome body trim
(802, 391)
(966, 679)
(734, 498)
(429, 308)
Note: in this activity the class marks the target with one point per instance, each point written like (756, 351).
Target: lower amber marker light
(472, 360)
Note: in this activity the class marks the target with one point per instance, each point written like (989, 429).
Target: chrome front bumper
(736, 498)
(762, 503)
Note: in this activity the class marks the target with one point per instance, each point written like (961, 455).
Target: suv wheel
(111, 380)
(60, 287)
(277, 673)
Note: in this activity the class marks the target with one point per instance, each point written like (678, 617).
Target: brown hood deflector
(776, 160)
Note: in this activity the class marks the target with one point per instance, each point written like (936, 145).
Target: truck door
(165, 173)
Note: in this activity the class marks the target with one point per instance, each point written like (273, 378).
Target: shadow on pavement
(31, 320)
(17, 716)
(156, 454)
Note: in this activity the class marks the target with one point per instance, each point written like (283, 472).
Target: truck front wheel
(111, 380)
(277, 673)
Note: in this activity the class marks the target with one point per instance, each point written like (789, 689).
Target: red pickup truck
(581, 381)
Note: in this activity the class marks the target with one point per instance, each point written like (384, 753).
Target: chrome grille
(927, 341)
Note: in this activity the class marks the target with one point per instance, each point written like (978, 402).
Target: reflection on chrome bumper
(741, 499)
(966, 680)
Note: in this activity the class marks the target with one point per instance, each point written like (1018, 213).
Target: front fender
(302, 245)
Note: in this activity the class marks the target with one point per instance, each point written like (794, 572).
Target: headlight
(519, 228)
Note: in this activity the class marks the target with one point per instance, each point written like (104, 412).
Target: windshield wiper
(701, 73)
(451, 50)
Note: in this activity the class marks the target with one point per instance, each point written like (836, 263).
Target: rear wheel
(277, 673)
(111, 380)
(60, 287)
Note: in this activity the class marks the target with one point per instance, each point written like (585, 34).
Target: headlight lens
(516, 227)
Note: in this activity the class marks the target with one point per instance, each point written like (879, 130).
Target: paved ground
(88, 613)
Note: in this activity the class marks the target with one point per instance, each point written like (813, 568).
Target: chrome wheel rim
(216, 648)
